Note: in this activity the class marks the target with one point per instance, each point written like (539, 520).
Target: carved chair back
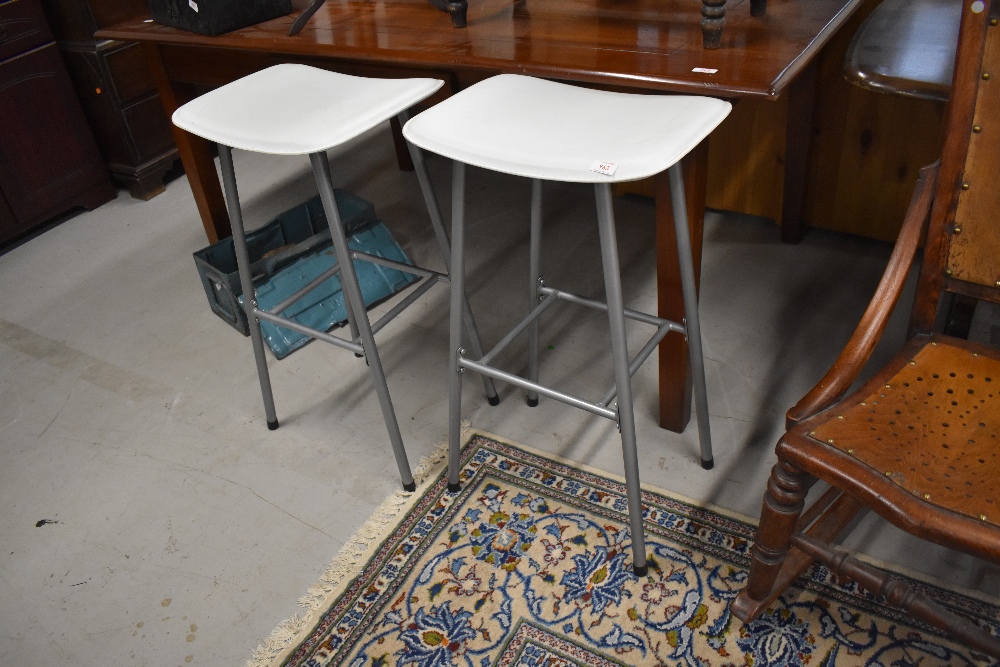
(962, 252)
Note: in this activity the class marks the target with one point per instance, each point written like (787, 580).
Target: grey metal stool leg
(455, 351)
(623, 378)
(246, 281)
(437, 222)
(354, 300)
(692, 324)
(534, 278)
(353, 327)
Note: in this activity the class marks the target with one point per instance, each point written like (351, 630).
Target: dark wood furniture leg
(758, 7)
(456, 8)
(195, 153)
(783, 503)
(675, 375)
(399, 143)
(801, 95)
(712, 23)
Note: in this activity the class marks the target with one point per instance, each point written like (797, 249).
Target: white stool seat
(554, 131)
(295, 109)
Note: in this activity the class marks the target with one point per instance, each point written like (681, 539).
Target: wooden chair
(714, 19)
(920, 442)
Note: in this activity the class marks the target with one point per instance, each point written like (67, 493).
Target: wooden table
(644, 45)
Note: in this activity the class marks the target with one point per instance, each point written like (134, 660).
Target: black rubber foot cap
(709, 464)
(641, 571)
(532, 402)
(454, 488)
(493, 400)
(412, 486)
(272, 426)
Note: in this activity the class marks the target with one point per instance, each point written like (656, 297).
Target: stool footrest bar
(600, 305)
(393, 264)
(308, 331)
(640, 358)
(313, 284)
(429, 280)
(415, 293)
(519, 381)
(517, 330)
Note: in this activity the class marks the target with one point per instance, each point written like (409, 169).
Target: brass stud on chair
(965, 185)
(977, 128)
(958, 230)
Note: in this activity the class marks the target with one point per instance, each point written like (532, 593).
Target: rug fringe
(351, 557)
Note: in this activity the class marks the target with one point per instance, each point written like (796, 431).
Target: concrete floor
(150, 518)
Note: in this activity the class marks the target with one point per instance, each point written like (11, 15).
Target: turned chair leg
(783, 503)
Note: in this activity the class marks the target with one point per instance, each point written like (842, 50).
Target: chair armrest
(859, 348)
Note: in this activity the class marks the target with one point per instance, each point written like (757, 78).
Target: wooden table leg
(195, 153)
(399, 143)
(801, 94)
(675, 375)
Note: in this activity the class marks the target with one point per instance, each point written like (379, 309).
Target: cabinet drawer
(22, 27)
(149, 128)
(128, 72)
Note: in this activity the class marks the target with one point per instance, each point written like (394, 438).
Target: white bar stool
(300, 110)
(544, 130)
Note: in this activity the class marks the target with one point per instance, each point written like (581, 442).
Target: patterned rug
(530, 566)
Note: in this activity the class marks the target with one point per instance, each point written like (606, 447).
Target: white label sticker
(704, 70)
(193, 5)
(606, 168)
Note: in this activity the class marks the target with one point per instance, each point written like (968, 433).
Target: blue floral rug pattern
(529, 565)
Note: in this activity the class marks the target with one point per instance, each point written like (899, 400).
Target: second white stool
(544, 130)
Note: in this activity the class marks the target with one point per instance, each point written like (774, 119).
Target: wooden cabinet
(49, 162)
(117, 91)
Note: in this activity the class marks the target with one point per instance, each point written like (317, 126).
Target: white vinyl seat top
(296, 109)
(542, 129)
